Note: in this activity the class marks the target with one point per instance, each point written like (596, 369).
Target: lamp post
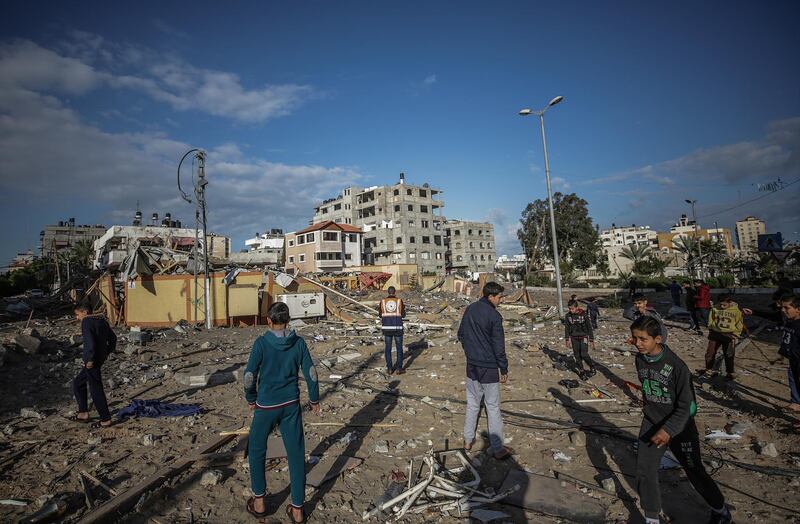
(540, 114)
(699, 248)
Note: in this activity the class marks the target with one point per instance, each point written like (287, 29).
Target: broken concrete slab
(347, 357)
(207, 377)
(211, 478)
(487, 515)
(28, 344)
(327, 469)
(546, 495)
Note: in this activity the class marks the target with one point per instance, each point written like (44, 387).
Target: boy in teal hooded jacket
(271, 389)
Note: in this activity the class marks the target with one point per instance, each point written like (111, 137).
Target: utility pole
(699, 247)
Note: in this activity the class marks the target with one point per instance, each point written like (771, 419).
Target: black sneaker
(592, 372)
(583, 374)
(721, 518)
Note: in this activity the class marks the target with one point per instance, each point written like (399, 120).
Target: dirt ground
(43, 457)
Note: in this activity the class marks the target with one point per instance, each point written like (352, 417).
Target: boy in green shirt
(271, 390)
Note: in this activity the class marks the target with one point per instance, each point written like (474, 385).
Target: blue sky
(293, 101)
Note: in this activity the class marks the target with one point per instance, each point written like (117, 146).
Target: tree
(638, 254)
(689, 247)
(81, 255)
(577, 237)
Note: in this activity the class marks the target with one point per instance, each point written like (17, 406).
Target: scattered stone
(769, 450)
(211, 478)
(130, 349)
(206, 378)
(437, 357)
(8, 430)
(30, 413)
(28, 344)
(206, 345)
(382, 447)
(560, 456)
(94, 441)
(609, 484)
(148, 440)
(577, 438)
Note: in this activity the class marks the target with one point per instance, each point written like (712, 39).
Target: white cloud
(560, 184)
(49, 152)
(430, 80)
(86, 62)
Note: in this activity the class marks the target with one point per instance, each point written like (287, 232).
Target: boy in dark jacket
(99, 341)
(481, 335)
(271, 390)
(578, 334)
(691, 297)
(790, 344)
(669, 409)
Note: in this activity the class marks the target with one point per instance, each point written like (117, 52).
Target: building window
(412, 240)
(458, 244)
(337, 207)
(426, 255)
(426, 240)
(291, 259)
(438, 256)
(410, 223)
(423, 193)
(302, 258)
(472, 257)
(353, 238)
(291, 243)
(412, 256)
(410, 207)
(399, 240)
(330, 236)
(458, 233)
(490, 256)
(396, 192)
(309, 237)
(301, 239)
(472, 244)
(483, 258)
(324, 210)
(423, 209)
(425, 223)
(469, 232)
(489, 244)
(397, 208)
(408, 192)
(459, 258)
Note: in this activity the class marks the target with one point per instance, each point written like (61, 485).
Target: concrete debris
(27, 343)
(30, 413)
(206, 378)
(577, 438)
(382, 447)
(609, 484)
(206, 345)
(211, 478)
(148, 440)
(768, 450)
(560, 456)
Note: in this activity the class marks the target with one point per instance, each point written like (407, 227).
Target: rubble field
(574, 438)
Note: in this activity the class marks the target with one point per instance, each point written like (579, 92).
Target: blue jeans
(702, 316)
(387, 340)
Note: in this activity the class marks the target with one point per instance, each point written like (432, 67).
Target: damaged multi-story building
(402, 223)
(55, 237)
(323, 247)
(471, 246)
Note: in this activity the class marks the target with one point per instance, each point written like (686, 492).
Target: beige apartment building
(323, 247)
(402, 223)
(747, 231)
(471, 246)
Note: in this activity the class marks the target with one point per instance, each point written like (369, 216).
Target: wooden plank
(545, 495)
(111, 510)
(325, 470)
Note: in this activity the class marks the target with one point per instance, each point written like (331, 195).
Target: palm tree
(82, 253)
(638, 254)
(689, 247)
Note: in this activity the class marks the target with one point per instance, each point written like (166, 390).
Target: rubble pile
(384, 447)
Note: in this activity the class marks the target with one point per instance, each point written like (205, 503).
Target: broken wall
(403, 275)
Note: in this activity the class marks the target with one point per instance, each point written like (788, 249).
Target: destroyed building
(402, 223)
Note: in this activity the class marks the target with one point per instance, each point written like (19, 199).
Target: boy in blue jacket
(271, 390)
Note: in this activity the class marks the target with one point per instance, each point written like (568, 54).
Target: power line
(749, 201)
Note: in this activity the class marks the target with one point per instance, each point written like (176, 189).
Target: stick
(110, 510)
(86, 493)
(322, 286)
(29, 318)
(100, 483)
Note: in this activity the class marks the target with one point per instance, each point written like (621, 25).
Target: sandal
(291, 515)
(504, 453)
(75, 418)
(251, 508)
(100, 425)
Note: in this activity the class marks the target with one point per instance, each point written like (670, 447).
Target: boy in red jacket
(702, 302)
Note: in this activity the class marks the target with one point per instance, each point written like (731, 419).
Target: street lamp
(540, 114)
(699, 248)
